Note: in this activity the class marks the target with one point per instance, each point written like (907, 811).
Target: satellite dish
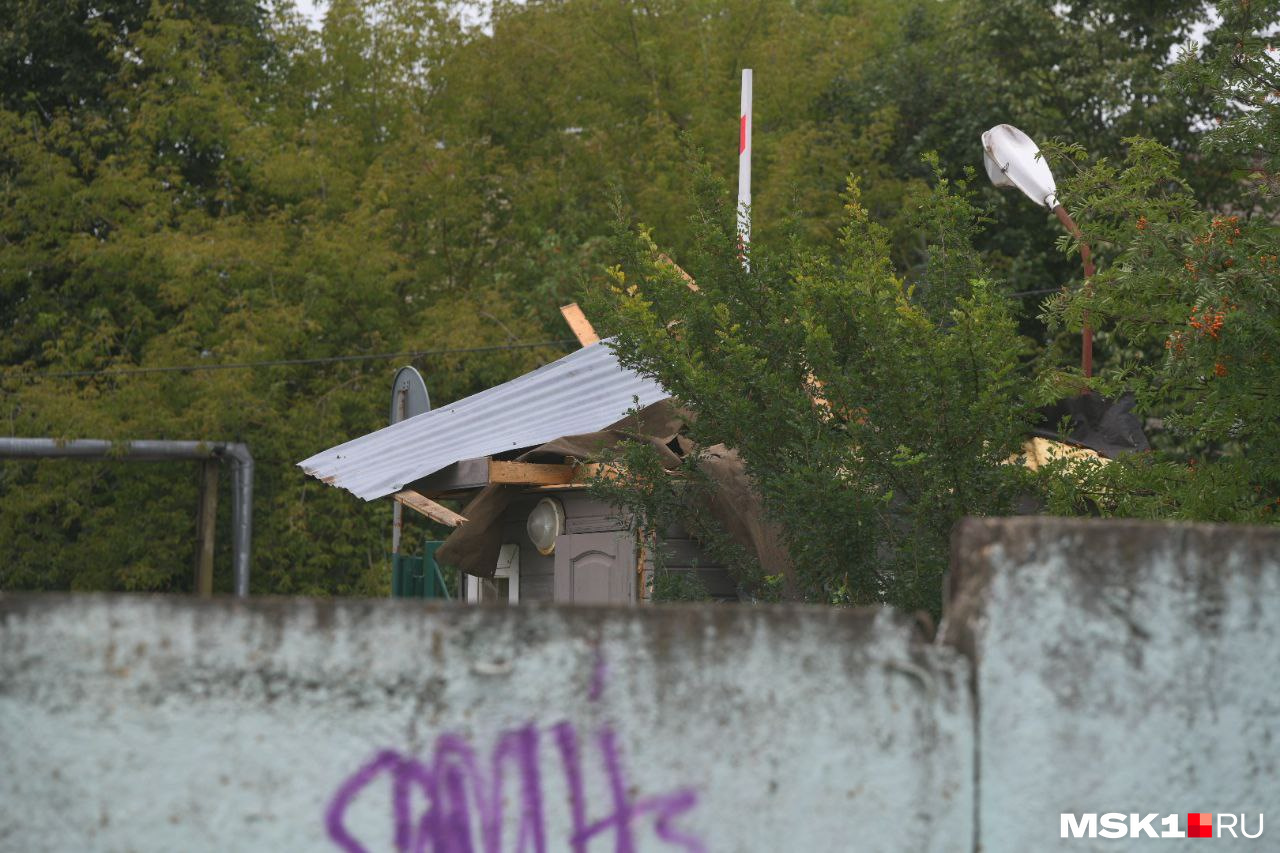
(1013, 160)
(408, 395)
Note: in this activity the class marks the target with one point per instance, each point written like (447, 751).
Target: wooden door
(595, 568)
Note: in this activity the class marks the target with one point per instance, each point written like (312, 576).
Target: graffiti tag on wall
(464, 798)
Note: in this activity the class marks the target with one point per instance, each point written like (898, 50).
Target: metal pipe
(235, 453)
(745, 120)
(397, 511)
(1086, 335)
(241, 515)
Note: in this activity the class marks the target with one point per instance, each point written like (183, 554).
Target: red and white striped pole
(744, 167)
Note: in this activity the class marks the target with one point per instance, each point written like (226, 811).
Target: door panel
(595, 568)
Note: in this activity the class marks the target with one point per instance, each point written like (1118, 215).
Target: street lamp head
(1013, 160)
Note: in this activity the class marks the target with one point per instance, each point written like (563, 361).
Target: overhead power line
(280, 362)
(1040, 292)
(334, 359)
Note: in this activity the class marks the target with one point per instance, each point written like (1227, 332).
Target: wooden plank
(597, 469)
(580, 325)
(428, 507)
(205, 527)
(531, 474)
(556, 487)
(688, 279)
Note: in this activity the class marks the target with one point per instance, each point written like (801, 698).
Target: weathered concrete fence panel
(1122, 667)
(159, 724)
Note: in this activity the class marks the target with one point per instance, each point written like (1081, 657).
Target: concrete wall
(1083, 667)
(1120, 667)
(131, 723)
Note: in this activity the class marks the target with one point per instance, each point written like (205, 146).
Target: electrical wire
(281, 362)
(1040, 292)
(336, 359)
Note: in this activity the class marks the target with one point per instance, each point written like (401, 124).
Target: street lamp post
(1013, 160)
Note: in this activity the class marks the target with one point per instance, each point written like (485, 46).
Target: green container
(417, 576)
(433, 586)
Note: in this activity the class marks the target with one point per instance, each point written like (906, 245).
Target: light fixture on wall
(546, 522)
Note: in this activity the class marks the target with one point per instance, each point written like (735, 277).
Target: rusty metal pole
(1086, 335)
(206, 526)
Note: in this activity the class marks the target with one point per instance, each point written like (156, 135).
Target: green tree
(203, 181)
(1189, 294)
(870, 415)
(214, 209)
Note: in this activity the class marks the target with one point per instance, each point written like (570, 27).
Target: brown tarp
(473, 546)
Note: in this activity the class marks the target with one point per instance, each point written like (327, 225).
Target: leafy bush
(870, 415)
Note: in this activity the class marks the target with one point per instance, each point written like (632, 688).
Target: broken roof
(585, 391)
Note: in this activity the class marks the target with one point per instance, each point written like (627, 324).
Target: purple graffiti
(626, 811)
(460, 797)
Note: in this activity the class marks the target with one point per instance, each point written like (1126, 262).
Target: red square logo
(1200, 825)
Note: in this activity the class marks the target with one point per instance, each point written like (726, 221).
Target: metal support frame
(235, 454)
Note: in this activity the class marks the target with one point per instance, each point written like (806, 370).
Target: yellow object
(1038, 452)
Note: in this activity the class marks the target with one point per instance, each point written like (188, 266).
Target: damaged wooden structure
(517, 458)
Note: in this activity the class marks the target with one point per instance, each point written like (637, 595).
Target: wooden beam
(205, 527)
(429, 508)
(580, 325)
(688, 279)
(531, 474)
(556, 487)
(583, 473)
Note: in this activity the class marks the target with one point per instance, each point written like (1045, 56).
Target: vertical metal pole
(1086, 335)
(744, 168)
(241, 515)
(206, 527)
(199, 551)
(397, 511)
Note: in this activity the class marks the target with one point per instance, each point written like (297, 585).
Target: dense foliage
(1190, 298)
(212, 182)
(871, 414)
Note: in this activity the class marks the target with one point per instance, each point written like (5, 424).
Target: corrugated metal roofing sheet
(585, 391)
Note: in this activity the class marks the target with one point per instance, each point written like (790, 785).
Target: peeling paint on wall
(1085, 667)
(164, 724)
